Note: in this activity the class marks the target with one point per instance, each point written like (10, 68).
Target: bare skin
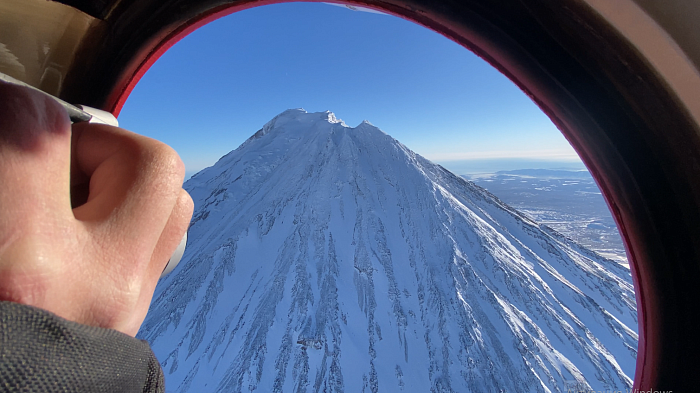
(95, 259)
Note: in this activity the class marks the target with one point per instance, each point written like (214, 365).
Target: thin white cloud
(356, 8)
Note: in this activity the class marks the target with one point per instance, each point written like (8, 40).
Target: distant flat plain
(567, 200)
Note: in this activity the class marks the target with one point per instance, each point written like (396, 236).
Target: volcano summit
(325, 258)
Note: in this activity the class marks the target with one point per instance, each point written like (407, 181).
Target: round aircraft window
(377, 209)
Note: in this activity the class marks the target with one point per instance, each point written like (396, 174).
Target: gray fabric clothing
(41, 352)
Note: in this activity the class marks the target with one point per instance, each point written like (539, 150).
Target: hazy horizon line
(485, 165)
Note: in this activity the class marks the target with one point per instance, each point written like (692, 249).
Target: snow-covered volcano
(325, 258)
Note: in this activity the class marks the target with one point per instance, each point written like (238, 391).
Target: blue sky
(220, 84)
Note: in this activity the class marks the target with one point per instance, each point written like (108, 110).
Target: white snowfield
(325, 258)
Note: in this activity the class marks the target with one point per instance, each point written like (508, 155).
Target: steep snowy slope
(324, 258)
